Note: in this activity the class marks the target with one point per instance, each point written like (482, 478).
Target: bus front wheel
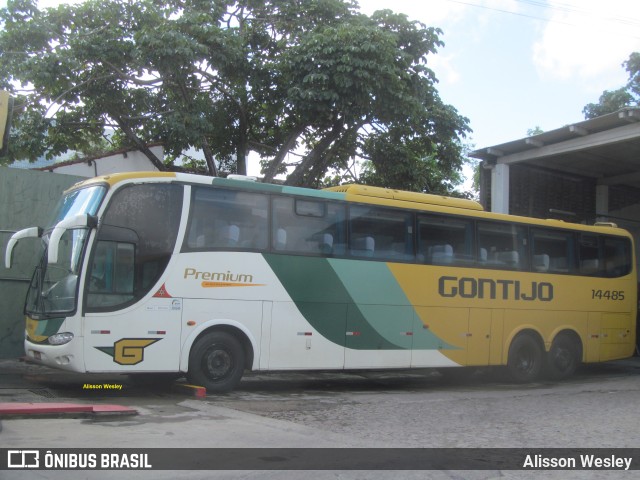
(525, 359)
(216, 362)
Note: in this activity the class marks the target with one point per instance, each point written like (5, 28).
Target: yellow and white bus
(170, 272)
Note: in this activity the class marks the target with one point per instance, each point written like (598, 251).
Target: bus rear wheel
(216, 362)
(525, 359)
(563, 358)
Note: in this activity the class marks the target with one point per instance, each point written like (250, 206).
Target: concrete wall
(534, 192)
(27, 199)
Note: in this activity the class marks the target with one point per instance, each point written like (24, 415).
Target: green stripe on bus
(49, 327)
(372, 313)
(380, 301)
(379, 296)
(326, 304)
(369, 282)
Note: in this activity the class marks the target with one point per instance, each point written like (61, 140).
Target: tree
(610, 101)
(537, 130)
(613, 100)
(315, 80)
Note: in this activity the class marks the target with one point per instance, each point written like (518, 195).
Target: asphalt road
(597, 408)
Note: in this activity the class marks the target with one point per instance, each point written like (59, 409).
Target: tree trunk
(241, 160)
(208, 155)
(243, 142)
(297, 177)
(274, 165)
(139, 144)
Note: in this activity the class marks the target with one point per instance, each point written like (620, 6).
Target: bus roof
(114, 178)
(414, 197)
(353, 193)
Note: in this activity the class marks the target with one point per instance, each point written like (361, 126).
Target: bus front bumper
(66, 357)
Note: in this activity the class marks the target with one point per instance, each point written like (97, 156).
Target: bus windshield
(53, 289)
(86, 200)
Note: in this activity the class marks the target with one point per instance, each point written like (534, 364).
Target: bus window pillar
(602, 203)
(500, 188)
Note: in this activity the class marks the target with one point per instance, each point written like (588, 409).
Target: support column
(500, 188)
(602, 202)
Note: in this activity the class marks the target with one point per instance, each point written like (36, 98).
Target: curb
(61, 410)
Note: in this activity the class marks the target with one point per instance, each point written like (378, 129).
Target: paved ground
(596, 408)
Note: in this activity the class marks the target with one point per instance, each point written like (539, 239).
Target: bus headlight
(60, 338)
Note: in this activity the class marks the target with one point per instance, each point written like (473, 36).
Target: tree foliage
(613, 100)
(314, 81)
(537, 130)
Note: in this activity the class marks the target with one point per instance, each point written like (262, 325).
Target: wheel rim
(217, 363)
(526, 360)
(562, 359)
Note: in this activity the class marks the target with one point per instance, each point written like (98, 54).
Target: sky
(513, 65)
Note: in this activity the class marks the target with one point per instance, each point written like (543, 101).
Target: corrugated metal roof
(606, 148)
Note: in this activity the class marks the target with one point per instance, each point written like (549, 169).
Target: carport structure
(584, 172)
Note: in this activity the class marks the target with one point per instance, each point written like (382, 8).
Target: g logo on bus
(128, 351)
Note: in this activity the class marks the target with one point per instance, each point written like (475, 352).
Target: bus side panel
(497, 336)
(379, 336)
(592, 350)
(617, 337)
(262, 363)
(450, 326)
(479, 339)
(296, 344)
(465, 333)
(426, 346)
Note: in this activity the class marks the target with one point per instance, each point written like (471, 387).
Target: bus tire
(525, 360)
(563, 357)
(216, 362)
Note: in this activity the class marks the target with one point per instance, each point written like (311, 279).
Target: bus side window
(556, 245)
(445, 241)
(308, 226)
(227, 219)
(506, 245)
(381, 233)
(617, 256)
(589, 255)
(112, 274)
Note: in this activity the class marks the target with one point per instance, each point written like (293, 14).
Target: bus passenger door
(125, 328)
(131, 322)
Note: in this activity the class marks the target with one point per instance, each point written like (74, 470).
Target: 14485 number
(607, 294)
